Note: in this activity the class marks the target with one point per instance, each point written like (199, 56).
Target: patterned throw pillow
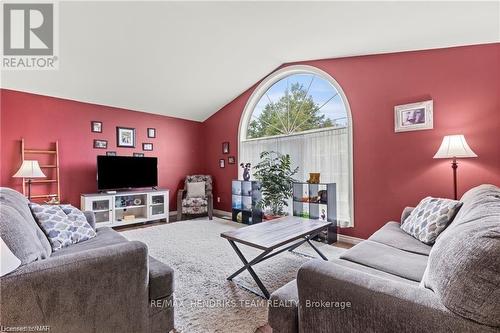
(62, 227)
(430, 218)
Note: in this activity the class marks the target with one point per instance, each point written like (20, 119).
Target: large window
(302, 111)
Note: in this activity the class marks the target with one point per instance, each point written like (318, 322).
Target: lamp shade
(29, 169)
(454, 146)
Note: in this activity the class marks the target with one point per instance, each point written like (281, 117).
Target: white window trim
(276, 76)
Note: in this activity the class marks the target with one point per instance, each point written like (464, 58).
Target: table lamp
(454, 146)
(29, 170)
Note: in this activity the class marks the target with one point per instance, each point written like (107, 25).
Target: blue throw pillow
(62, 229)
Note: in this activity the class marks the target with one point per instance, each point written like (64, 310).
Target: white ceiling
(188, 59)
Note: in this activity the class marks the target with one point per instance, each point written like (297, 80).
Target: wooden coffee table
(283, 234)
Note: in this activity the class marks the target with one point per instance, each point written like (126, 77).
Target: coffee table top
(273, 234)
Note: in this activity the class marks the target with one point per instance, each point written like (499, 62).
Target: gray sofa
(105, 284)
(394, 283)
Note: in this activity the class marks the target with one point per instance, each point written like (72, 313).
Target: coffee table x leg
(266, 255)
(248, 267)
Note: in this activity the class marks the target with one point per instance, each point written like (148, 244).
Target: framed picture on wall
(225, 147)
(151, 133)
(138, 154)
(222, 163)
(147, 146)
(100, 144)
(111, 153)
(96, 126)
(231, 160)
(125, 137)
(413, 117)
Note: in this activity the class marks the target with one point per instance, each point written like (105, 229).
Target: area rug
(202, 260)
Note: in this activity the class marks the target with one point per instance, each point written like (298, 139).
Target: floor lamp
(29, 170)
(454, 146)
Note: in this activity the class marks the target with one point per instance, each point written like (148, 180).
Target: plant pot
(269, 217)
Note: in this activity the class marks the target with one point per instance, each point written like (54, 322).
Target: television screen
(120, 172)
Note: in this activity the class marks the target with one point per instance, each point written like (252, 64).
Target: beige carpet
(202, 260)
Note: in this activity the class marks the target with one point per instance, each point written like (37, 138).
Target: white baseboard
(349, 239)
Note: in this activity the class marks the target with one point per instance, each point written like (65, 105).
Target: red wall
(394, 170)
(41, 120)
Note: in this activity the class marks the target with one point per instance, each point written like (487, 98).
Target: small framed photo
(413, 117)
(138, 155)
(101, 144)
(151, 132)
(147, 146)
(125, 137)
(96, 126)
(231, 160)
(222, 163)
(225, 147)
(111, 153)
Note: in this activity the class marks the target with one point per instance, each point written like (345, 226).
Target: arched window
(302, 111)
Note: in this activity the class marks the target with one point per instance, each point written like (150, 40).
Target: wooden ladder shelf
(54, 164)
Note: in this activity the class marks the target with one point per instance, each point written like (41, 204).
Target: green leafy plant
(275, 173)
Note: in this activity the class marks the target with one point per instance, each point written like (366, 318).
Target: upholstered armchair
(193, 199)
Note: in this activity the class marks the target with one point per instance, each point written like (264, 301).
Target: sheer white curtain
(325, 151)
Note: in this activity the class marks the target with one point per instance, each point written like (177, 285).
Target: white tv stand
(128, 207)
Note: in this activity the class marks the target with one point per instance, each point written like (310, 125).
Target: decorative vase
(246, 171)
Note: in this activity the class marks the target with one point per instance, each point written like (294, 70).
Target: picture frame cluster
(226, 151)
(126, 137)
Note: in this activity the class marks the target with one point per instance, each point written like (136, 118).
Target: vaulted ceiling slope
(188, 59)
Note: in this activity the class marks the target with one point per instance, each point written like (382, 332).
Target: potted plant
(275, 173)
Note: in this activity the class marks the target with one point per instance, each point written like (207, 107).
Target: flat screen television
(124, 172)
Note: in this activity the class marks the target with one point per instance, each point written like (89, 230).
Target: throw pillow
(8, 261)
(75, 215)
(61, 230)
(196, 190)
(430, 218)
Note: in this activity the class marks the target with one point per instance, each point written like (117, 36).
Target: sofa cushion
(392, 235)
(20, 203)
(161, 279)
(62, 230)
(19, 235)
(195, 190)
(464, 264)
(194, 202)
(472, 200)
(430, 218)
(105, 236)
(388, 259)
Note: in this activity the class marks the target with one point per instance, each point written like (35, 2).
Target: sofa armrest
(99, 290)
(90, 218)
(406, 212)
(180, 196)
(362, 302)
